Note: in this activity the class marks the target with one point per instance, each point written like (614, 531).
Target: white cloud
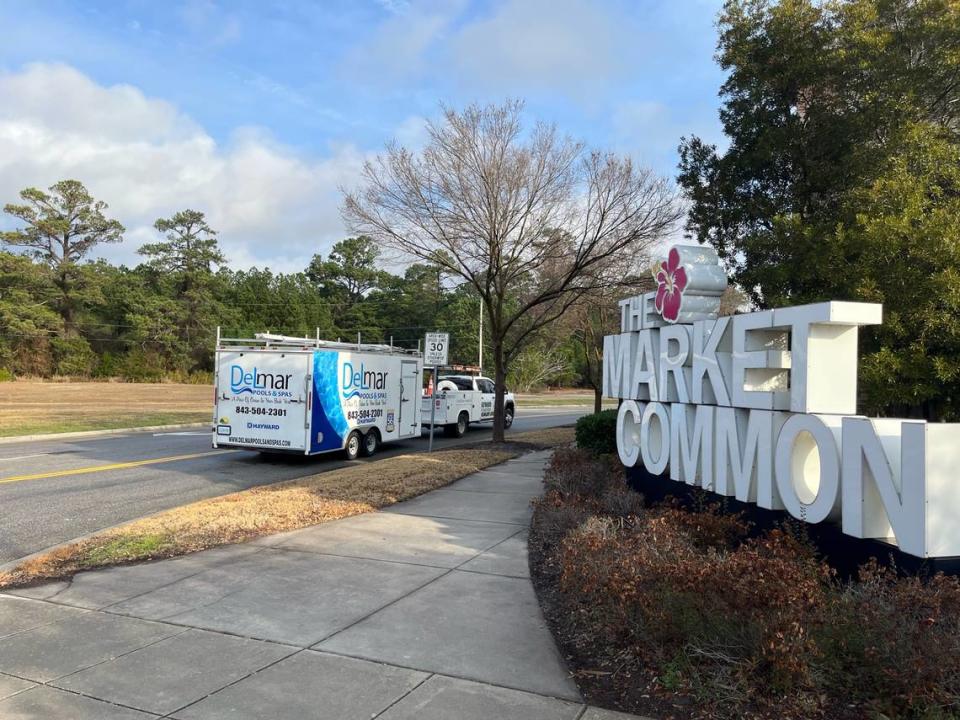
(574, 46)
(399, 46)
(148, 160)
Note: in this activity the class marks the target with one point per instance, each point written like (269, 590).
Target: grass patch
(548, 437)
(559, 399)
(259, 511)
(126, 549)
(98, 421)
(35, 408)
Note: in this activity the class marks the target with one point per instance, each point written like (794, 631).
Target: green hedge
(597, 433)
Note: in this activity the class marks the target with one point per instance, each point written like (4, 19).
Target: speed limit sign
(436, 349)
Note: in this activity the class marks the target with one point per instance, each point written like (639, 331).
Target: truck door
(487, 396)
(409, 421)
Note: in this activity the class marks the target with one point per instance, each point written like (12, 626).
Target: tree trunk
(66, 308)
(500, 381)
(597, 400)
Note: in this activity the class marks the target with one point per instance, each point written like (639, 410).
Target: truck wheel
(371, 442)
(459, 428)
(352, 448)
(508, 416)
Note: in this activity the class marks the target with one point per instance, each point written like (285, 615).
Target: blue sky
(256, 112)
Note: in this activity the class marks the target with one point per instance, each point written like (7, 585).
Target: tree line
(62, 314)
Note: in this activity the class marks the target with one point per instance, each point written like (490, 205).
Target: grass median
(35, 408)
(269, 509)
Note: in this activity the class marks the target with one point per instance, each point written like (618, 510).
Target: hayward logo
(255, 382)
(354, 382)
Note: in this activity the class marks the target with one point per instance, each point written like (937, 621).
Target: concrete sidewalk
(423, 611)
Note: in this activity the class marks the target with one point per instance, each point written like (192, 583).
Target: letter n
(884, 482)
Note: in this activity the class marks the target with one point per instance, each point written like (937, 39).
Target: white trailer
(459, 400)
(295, 395)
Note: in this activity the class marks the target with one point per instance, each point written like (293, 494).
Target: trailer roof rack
(264, 341)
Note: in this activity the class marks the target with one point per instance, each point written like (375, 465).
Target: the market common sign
(762, 407)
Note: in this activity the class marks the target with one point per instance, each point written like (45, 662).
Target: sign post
(435, 354)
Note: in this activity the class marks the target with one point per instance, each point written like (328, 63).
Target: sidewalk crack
(402, 697)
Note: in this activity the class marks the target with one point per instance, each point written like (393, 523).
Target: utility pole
(480, 363)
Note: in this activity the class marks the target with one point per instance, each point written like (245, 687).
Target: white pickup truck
(459, 400)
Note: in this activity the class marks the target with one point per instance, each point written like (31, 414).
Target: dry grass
(258, 511)
(33, 407)
(566, 396)
(548, 437)
(29, 407)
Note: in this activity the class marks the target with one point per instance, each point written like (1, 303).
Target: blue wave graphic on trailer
(328, 421)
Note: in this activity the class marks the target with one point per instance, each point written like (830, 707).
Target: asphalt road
(52, 491)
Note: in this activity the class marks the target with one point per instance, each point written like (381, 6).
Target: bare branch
(532, 220)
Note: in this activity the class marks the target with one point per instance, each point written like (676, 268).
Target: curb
(99, 433)
(11, 564)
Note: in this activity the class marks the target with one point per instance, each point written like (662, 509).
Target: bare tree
(532, 221)
(536, 365)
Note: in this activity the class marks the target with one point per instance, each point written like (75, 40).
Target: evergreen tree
(184, 264)
(61, 228)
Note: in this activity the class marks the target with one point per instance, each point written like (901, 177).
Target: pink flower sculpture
(671, 280)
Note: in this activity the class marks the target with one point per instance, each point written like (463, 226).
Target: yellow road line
(114, 466)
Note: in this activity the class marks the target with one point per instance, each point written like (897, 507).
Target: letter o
(808, 468)
(628, 432)
(655, 435)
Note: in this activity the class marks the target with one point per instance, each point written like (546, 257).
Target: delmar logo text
(242, 381)
(356, 381)
(762, 407)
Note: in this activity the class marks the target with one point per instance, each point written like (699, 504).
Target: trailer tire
(459, 428)
(508, 416)
(371, 442)
(352, 447)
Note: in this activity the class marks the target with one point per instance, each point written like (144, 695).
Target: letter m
(617, 364)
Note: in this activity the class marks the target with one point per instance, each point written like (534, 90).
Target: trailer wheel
(508, 416)
(459, 428)
(352, 448)
(371, 442)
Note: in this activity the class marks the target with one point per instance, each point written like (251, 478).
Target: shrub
(73, 356)
(893, 644)
(5, 375)
(597, 433)
(684, 600)
(141, 366)
(598, 481)
(196, 377)
(737, 617)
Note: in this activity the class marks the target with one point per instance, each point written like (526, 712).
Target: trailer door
(262, 399)
(410, 379)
